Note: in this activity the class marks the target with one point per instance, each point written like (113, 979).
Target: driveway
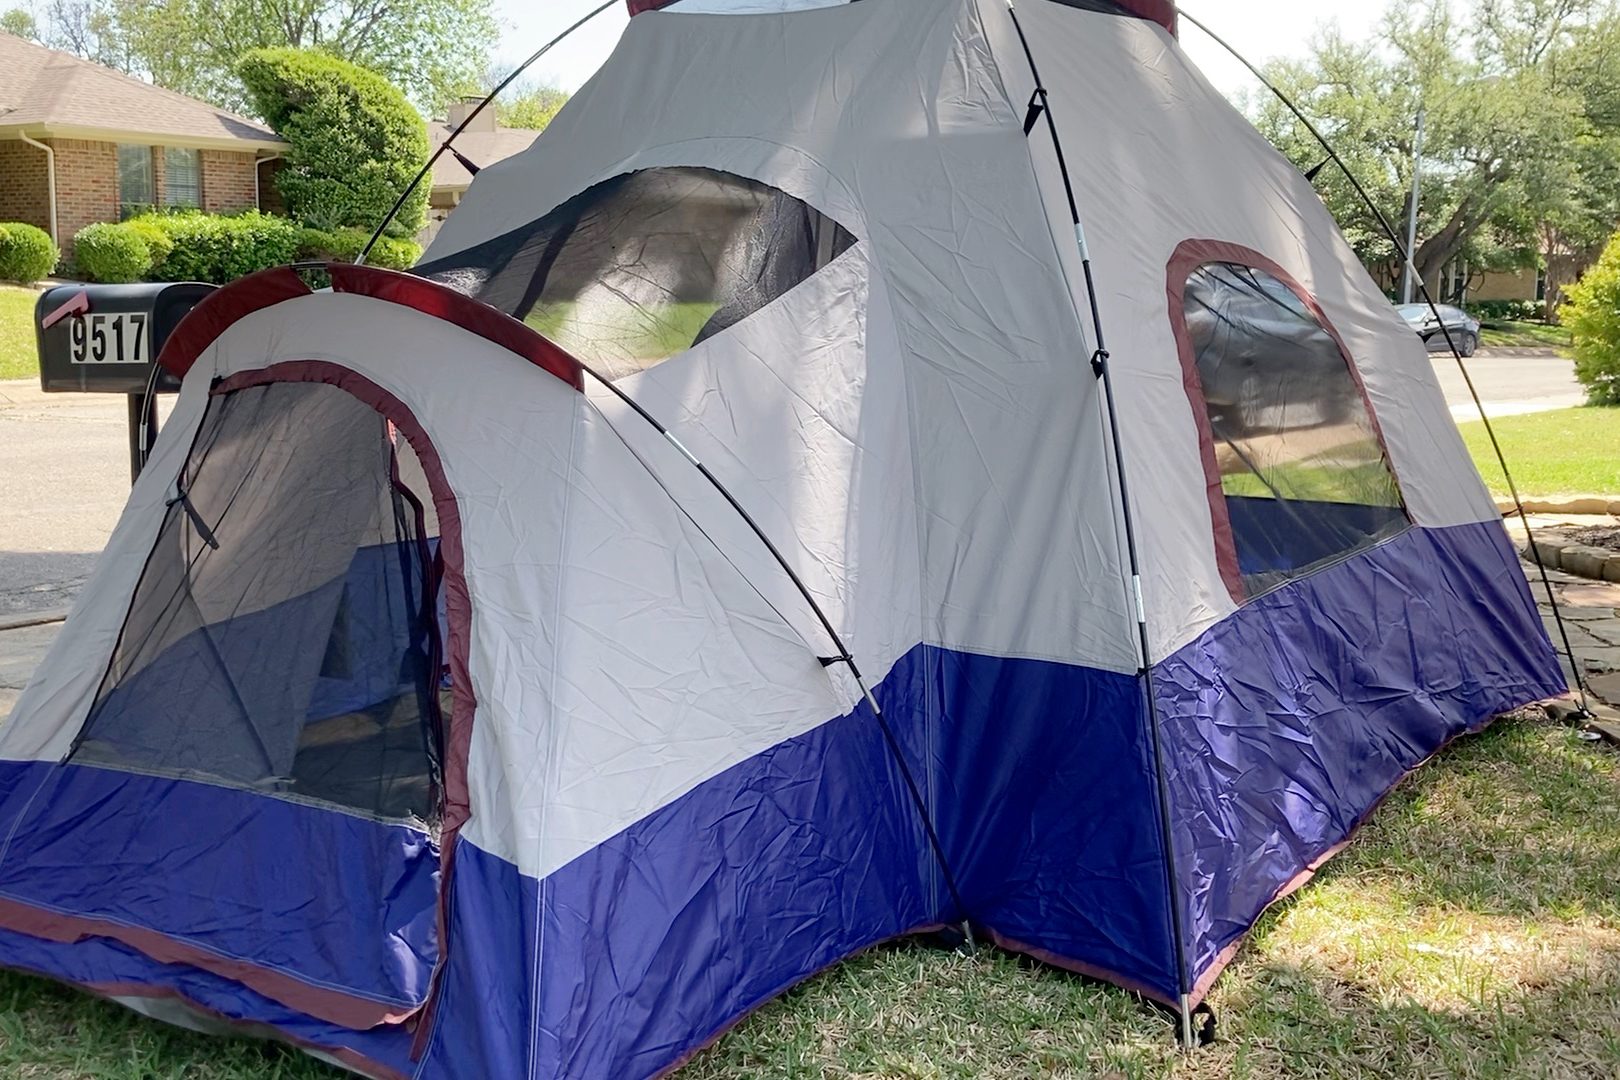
(1509, 385)
(64, 476)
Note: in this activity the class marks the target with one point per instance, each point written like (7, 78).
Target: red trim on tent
(1188, 258)
(243, 297)
(1162, 12)
(333, 1006)
(458, 602)
(218, 310)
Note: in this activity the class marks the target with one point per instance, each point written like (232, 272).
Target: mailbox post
(105, 339)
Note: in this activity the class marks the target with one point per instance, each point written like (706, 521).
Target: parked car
(1462, 327)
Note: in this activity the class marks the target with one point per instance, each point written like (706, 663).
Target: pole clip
(1037, 105)
(1099, 363)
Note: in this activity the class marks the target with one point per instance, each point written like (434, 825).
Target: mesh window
(644, 266)
(1301, 463)
(282, 636)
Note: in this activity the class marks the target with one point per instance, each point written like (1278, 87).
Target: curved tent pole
(447, 145)
(843, 657)
(1434, 309)
(1038, 104)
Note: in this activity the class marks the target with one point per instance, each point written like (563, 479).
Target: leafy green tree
(356, 142)
(530, 105)
(20, 22)
(428, 47)
(1518, 161)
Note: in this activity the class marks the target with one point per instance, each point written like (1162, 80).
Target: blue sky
(1263, 29)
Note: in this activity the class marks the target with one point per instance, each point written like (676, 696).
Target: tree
(530, 105)
(428, 47)
(356, 142)
(20, 22)
(1514, 157)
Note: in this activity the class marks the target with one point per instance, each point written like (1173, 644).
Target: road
(1509, 385)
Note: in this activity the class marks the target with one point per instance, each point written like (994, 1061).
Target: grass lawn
(1566, 452)
(1472, 931)
(18, 358)
(1524, 335)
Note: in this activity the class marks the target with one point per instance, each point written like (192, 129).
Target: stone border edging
(1573, 505)
(1580, 560)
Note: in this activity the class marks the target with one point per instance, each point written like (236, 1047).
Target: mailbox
(106, 339)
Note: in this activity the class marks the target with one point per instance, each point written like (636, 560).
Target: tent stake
(1101, 371)
(1434, 309)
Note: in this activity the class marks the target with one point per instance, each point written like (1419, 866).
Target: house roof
(479, 147)
(46, 92)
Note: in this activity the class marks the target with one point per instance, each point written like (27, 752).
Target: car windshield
(1413, 313)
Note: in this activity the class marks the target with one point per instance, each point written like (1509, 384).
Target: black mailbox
(106, 339)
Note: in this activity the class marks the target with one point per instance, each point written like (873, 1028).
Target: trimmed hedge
(345, 245)
(356, 142)
(111, 254)
(1515, 310)
(218, 248)
(27, 253)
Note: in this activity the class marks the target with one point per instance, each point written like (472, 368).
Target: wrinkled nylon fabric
(1286, 724)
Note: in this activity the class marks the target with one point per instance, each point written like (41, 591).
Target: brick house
(81, 143)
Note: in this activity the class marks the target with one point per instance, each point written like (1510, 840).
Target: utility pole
(1407, 283)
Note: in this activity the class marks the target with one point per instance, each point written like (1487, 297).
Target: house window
(135, 187)
(644, 266)
(182, 177)
(1541, 284)
(1298, 476)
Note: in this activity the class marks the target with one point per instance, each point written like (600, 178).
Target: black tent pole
(1038, 104)
(447, 145)
(843, 656)
(1462, 366)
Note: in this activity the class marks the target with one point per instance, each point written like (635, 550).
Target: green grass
(1565, 452)
(618, 334)
(1471, 931)
(19, 358)
(1499, 334)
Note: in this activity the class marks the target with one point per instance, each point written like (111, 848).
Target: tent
(432, 709)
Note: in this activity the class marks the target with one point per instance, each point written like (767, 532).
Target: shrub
(112, 254)
(345, 245)
(157, 242)
(26, 253)
(1592, 314)
(221, 248)
(355, 141)
(1510, 310)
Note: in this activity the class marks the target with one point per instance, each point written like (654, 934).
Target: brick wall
(24, 190)
(86, 186)
(227, 181)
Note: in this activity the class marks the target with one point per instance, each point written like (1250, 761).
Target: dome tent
(432, 711)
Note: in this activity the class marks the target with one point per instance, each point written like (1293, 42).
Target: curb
(1572, 505)
(24, 620)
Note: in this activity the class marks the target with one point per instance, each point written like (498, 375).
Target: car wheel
(1468, 344)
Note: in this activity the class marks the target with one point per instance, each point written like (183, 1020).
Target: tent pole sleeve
(1401, 249)
(844, 657)
(1101, 369)
(446, 146)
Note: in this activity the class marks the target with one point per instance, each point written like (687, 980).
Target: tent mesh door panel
(1302, 466)
(644, 266)
(282, 637)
